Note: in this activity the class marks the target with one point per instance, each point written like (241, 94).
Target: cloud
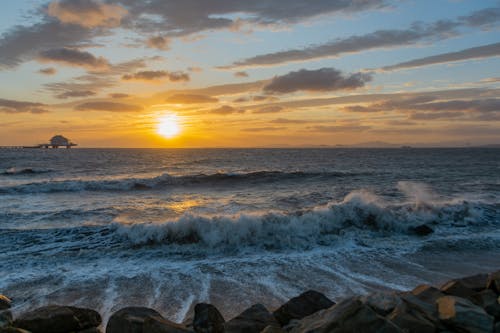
(263, 129)
(157, 75)
(226, 109)
(88, 82)
(47, 71)
(269, 109)
(73, 57)
(289, 121)
(12, 106)
(324, 79)
(87, 13)
(485, 51)
(108, 106)
(241, 74)
(379, 39)
(118, 95)
(195, 69)
(339, 128)
(190, 99)
(76, 93)
(158, 42)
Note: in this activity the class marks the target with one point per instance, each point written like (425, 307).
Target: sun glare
(168, 126)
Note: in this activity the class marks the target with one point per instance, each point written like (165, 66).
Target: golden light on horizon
(168, 126)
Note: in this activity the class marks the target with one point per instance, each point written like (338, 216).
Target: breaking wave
(126, 184)
(23, 171)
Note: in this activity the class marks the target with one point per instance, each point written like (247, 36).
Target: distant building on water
(56, 142)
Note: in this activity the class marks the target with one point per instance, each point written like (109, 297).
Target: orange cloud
(87, 13)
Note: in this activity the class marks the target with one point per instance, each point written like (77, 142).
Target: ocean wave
(24, 171)
(127, 184)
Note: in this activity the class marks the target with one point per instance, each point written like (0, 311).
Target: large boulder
(207, 319)
(5, 318)
(488, 300)
(350, 315)
(252, 320)
(155, 324)
(13, 330)
(410, 318)
(494, 282)
(273, 329)
(130, 320)
(58, 319)
(464, 316)
(5, 302)
(301, 306)
(381, 302)
(467, 286)
(427, 293)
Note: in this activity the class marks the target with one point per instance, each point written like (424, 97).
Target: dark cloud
(89, 82)
(108, 106)
(48, 71)
(12, 106)
(73, 57)
(158, 42)
(269, 109)
(379, 39)
(241, 74)
(324, 79)
(491, 50)
(157, 75)
(226, 109)
(190, 99)
(76, 93)
(118, 95)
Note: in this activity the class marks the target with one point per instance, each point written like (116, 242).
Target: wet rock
(350, 315)
(465, 287)
(464, 316)
(382, 303)
(58, 319)
(130, 320)
(427, 293)
(5, 302)
(421, 230)
(412, 319)
(488, 300)
(158, 324)
(273, 329)
(494, 282)
(252, 320)
(207, 319)
(301, 306)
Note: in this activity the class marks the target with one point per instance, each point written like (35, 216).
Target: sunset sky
(260, 73)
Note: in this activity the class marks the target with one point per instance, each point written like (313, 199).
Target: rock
(130, 320)
(158, 324)
(5, 302)
(463, 315)
(5, 318)
(427, 293)
(350, 315)
(58, 319)
(494, 282)
(497, 328)
(382, 303)
(91, 330)
(465, 287)
(301, 306)
(273, 329)
(412, 319)
(421, 230)
(252, 320)
(207, 319)
(13, 330)
(488, 300)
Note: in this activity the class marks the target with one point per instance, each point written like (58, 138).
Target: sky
(260, 73)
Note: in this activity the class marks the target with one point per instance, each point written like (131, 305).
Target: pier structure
(55, 142)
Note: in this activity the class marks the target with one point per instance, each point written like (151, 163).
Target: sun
(168, 126)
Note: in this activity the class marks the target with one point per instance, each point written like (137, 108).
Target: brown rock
(252, 320)
(382, 303)
(130, 320)
(156, 324)
(463, 315)
(301, 306)
(5, 302)
(207, 319)
(412, 319)
(465, 287)
(350, 315)
(427, 293)
(58, 319)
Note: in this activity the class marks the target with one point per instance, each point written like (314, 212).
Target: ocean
(168, 228)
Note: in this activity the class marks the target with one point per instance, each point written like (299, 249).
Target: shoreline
(468, 304)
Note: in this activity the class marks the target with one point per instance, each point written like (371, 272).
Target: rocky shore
(469, 304)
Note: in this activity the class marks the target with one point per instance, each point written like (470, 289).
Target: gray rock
(421, 230)
(497, 328)
(91, 330)
(382, 303)
(5, 318)
(494, 282)
(273, 329)
(207, 319)
(412, 319)
(488, 300)
(301, 306)
(427, 293)
(13, 330)
(252, 320)
(467, 286)
(463, 315)
(58, 319)
(130, 320)
(156, 324)
(350, 315)
(5, 302)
